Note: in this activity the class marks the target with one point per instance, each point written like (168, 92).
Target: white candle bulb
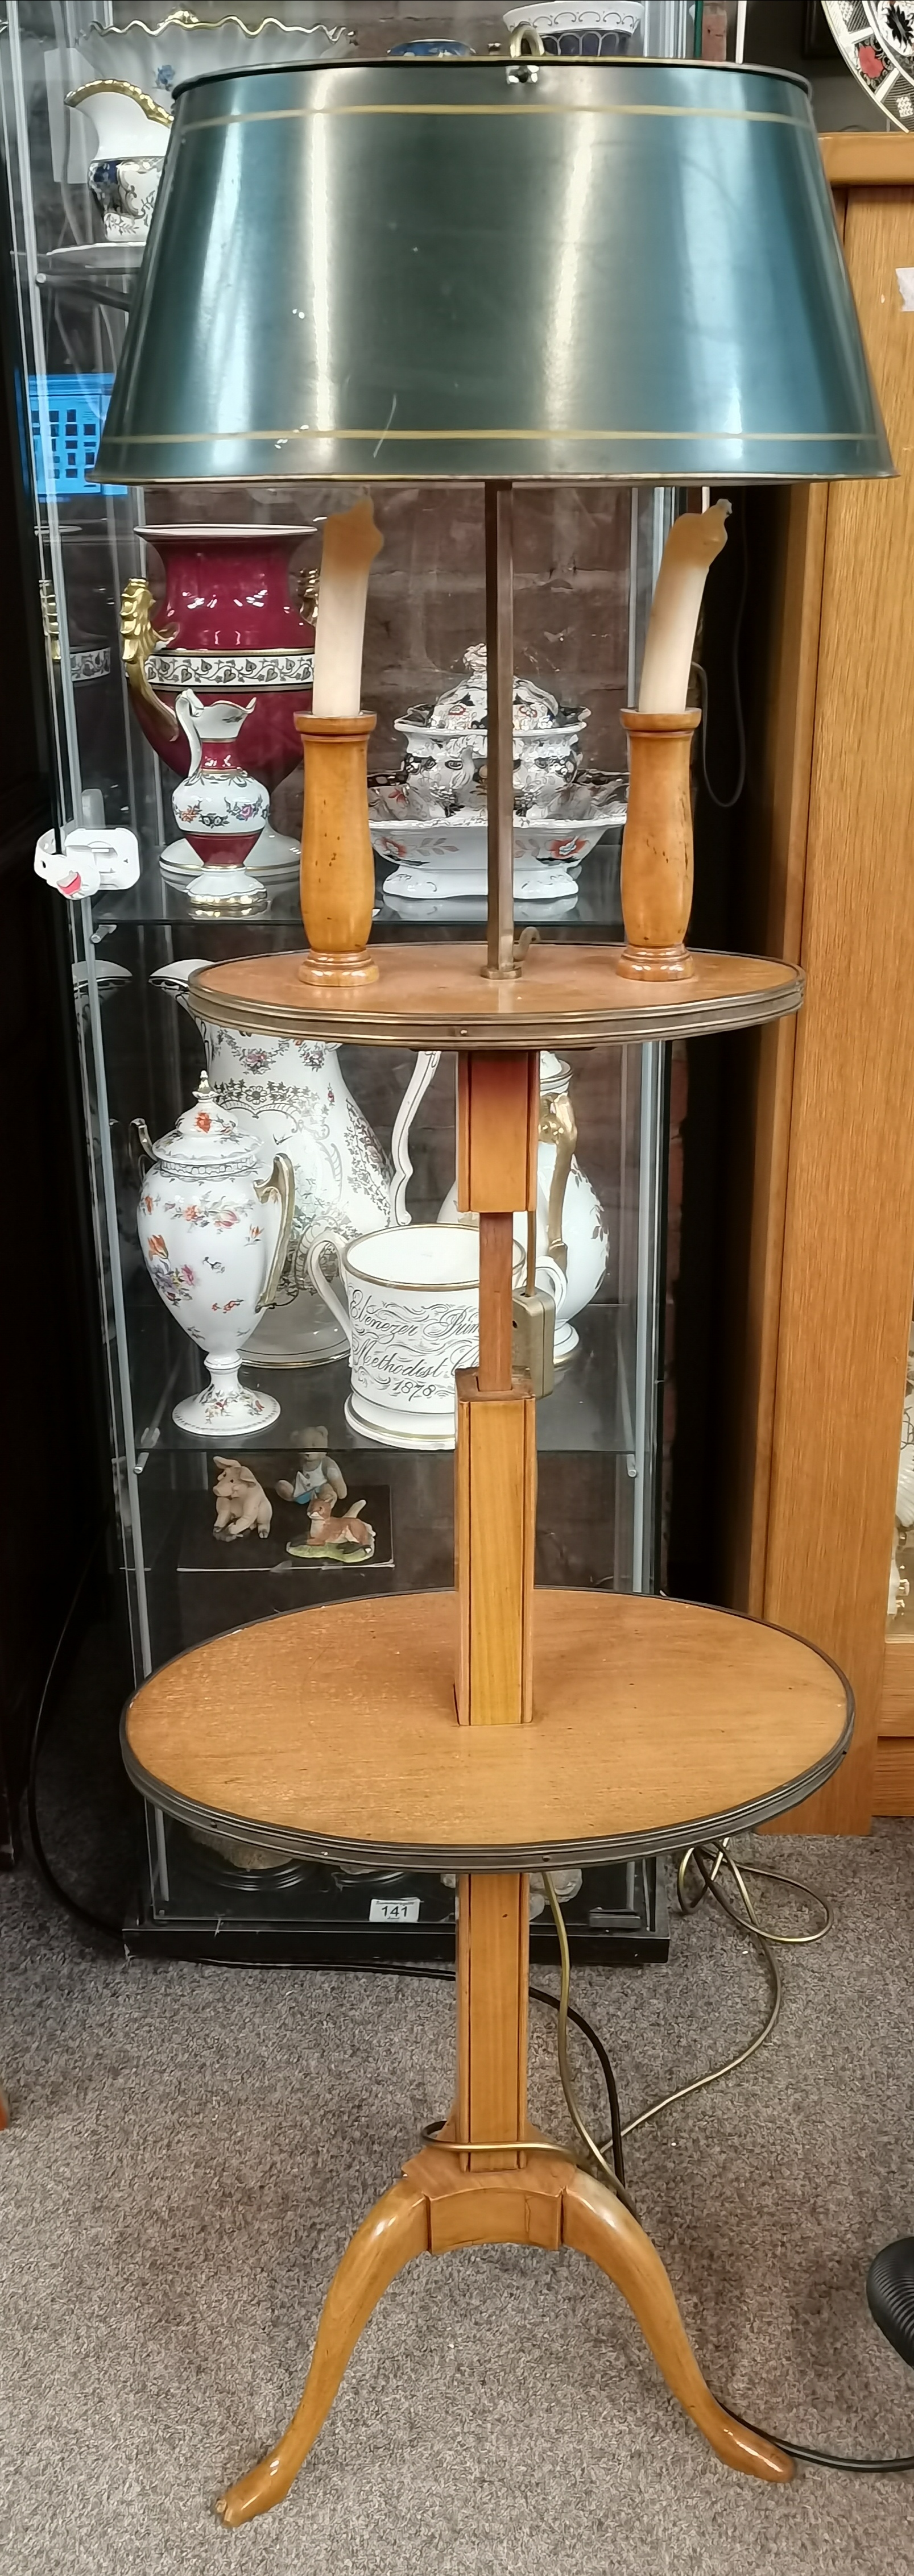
(691, 546)
(351, 542)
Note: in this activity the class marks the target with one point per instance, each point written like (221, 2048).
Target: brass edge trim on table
(492, 1857)
(632, 1025)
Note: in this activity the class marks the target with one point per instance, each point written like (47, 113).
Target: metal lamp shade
(483, 269)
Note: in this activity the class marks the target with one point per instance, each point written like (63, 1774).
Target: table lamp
(498, 270)
(502, 270)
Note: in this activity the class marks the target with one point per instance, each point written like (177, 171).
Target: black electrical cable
(81, 1913)
(444, 1976)
(822, 2459)
(708, 1861)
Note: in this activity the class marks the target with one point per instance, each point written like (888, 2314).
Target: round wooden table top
(429, 995)
(332, 1733)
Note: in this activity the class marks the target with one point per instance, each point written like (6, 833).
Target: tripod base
(437, 2207)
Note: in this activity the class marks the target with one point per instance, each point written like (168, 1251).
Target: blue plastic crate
(77, 407)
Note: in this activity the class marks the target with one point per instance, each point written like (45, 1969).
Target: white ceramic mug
(411, 1318)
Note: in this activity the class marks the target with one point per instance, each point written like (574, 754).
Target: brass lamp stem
(500, 725)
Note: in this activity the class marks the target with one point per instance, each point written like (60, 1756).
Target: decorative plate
(876, 40)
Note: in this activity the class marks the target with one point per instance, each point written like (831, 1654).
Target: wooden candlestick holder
(337, 861)
(657, 848)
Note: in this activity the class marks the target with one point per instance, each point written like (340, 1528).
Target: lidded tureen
(447, 743)
(214, 1240)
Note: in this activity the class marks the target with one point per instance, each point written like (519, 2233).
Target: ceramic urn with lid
(214, 1239)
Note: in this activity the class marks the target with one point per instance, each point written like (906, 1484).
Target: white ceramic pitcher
(572, 1240)
(293, 1092)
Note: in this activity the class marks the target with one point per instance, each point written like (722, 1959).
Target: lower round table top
(333, 1733)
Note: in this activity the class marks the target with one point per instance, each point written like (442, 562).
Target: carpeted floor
(191, 2148)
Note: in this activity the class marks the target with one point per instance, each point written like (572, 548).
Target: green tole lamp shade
(477, 268)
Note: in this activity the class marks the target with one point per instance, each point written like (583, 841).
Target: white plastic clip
(88, 861)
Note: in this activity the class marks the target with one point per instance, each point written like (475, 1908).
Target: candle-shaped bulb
(351, 542)
(691, 546)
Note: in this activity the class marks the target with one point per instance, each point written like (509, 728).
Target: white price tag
(394, 1909)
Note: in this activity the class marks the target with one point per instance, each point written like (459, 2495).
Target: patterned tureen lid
(463, 710)
(207, 1139)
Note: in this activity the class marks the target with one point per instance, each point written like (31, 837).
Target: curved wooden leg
(595, 2223)
(395, 2230)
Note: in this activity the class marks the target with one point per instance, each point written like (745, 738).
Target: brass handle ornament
(558, 1127)
(308, 589)
(141, 1148)
(281, 1186)
(121, 89)
(139, 640)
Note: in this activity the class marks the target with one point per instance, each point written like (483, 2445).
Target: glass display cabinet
(156, 603)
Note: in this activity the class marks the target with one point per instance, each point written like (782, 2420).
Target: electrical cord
(711, 1860)
(609, 2173)
(547, 2146)
(80, 1913)
(725, 804)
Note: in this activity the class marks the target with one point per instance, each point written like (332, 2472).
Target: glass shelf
(589, 1410)
(154, 899)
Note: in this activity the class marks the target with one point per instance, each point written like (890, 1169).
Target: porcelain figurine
(318, 1478)
(293, 1091)
(219, 807)
(572, 1237)
(241, 1504)
(214, 1240)
(344, 1538)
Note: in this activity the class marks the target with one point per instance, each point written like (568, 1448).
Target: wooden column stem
(496, 1262)
(500, 725)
